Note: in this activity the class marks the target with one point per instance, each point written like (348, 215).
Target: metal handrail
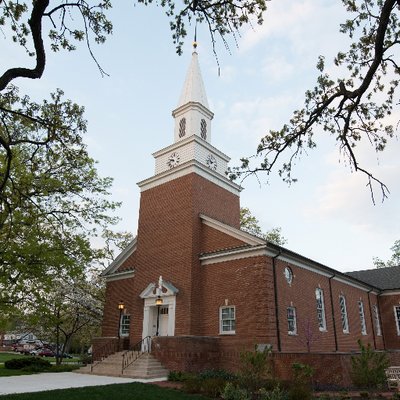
(108, 348)
(135, 352)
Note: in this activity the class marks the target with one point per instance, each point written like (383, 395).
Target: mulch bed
(168, 384)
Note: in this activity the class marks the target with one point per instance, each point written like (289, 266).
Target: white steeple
(191, 151)
(193, 89)
(192, 116)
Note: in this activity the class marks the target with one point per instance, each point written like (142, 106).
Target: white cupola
(192, 115)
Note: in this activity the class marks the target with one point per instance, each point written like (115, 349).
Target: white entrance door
(166, 317)
(163, 321)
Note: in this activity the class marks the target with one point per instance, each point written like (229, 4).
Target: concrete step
(144, 367)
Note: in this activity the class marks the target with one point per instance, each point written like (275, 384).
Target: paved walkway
(60, 380)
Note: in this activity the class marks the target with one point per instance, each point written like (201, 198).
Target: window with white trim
(227, 317)
(125, 325)
(362, 317)
(377, 320)
(291, 320)
(343, 314)
(319, 295)
(397, 318)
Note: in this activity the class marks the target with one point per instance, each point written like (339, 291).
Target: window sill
(292, 333)
(228, 333)
(323, 330)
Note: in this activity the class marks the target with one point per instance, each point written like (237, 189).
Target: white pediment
(168, 289)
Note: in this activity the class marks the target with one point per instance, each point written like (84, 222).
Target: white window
(125, 324)
(397, 318)
(343, 313)
(227, 319)
(291, 320)
(362, 318)
(319, 295)
(377, 320)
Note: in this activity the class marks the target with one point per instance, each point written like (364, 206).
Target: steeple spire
(193, 88)
(192, 115)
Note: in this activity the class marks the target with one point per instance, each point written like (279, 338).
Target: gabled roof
(382, 278)
(234, 232)
(122, 257)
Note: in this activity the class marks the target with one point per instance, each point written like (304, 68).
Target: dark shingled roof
(381, 278)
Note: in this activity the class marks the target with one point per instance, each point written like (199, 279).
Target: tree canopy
(394, 260)
(352, 106)
(52, 200)
(352, 103)
(250, 224)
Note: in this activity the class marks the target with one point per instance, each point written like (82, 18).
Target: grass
(128, 391)
(12, 372)
(8, 356)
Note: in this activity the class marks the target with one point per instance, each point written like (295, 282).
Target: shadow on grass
(128, 391)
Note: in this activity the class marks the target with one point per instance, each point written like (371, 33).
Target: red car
(46, 353)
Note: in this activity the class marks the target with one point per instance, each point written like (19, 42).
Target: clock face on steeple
(173, 160)
(211, 162)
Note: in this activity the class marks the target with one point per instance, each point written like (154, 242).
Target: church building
(196, 290)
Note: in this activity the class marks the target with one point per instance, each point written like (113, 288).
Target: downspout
(276, 300)
(378, 303)
(333, 312)
(372, 320)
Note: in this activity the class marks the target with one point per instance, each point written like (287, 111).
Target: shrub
(255, 369)
(175, 376)
(64, 367)
(276, 394)
(301, 385)
(232, 392)
(19, 363)
(85, 359)
(192, 384)
(213, 387)
(302, 372)
(218, 374)
(300, 392)
(36, 368)
(368, 368)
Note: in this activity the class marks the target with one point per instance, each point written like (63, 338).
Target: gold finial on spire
(195, 38)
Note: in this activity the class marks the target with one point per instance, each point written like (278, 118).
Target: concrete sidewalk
(60, 380)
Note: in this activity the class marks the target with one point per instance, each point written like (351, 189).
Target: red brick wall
(348, 341)
(116, 291)
(196, 354)
(186, 353)
(386, 305)
(301, 295)
(169, 244)
(246, 284)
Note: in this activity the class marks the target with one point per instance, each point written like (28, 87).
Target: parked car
(46, 353)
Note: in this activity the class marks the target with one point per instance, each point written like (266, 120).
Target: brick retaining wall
(194, 354)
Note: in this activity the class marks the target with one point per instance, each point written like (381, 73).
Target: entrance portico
(159, 309)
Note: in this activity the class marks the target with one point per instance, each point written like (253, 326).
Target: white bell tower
(192, 115)
(191, 150)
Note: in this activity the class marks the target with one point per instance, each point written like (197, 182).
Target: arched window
(203, 129)
(182, 127)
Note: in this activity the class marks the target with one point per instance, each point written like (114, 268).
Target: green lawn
(128, 391)
(12, 372)
(8, 356)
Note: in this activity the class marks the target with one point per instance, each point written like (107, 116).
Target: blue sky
(327, 216)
